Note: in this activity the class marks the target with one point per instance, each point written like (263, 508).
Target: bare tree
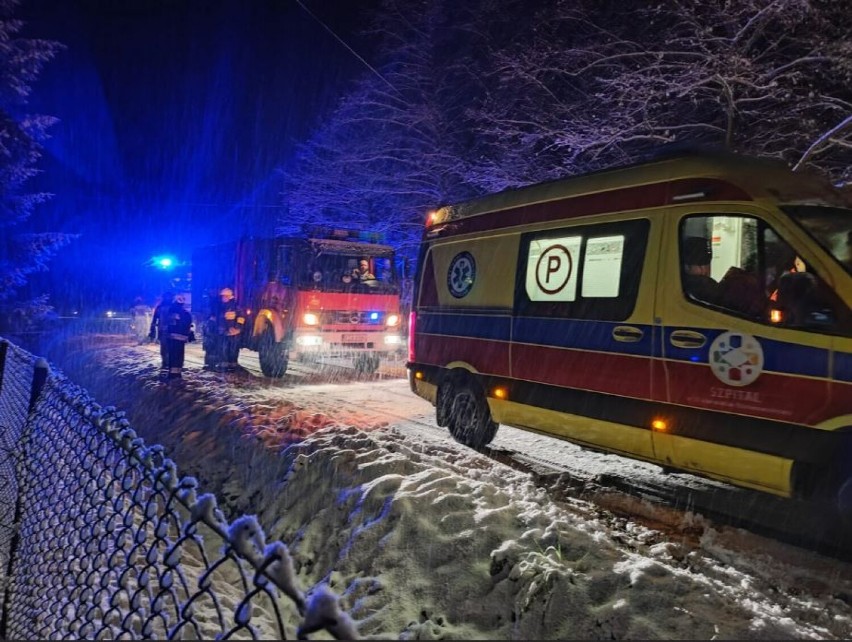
(21, 253)
(396, 146)
(596, 83)
(480, 96)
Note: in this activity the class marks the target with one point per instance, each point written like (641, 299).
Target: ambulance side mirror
(820, 319)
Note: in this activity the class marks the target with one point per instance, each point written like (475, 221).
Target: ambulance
(692, 311)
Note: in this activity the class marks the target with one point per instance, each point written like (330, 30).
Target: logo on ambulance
(736, 358)
(461, 274)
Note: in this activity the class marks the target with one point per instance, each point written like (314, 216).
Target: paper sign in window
(602, 266)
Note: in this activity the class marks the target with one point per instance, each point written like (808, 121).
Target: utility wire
(348, 48)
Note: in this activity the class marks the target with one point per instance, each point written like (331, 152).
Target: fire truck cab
(308, 296)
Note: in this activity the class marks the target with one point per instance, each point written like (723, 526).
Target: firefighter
(157, 331)
(362, 272)
(227, 323)
(178, 332)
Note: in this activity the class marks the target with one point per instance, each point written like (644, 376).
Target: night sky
(173, 118)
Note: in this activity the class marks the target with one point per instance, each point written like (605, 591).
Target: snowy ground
(427, 539)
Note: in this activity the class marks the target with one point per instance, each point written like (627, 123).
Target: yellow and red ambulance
(693, 311)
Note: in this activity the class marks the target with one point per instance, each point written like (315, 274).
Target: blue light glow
(164, 262)
(374, 316)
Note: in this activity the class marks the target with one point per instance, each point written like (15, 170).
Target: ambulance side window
(583, 272)
(741, 266)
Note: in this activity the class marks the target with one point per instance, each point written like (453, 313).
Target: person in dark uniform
(178, 333)
(362, 272)
(157, 331)
(697, 282)
(227, 323)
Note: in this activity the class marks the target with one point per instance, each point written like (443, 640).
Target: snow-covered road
(425, 538)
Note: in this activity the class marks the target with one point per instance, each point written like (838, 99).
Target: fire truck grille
(353, 317)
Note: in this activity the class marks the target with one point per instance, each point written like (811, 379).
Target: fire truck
(306, 297)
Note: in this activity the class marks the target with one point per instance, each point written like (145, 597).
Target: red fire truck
(306, 296)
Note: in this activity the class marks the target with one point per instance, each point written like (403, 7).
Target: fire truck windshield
(333, 272)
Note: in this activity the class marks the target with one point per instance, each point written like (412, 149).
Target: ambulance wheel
(842, 473)
(469, 418)
(843, 502)
(272, 355)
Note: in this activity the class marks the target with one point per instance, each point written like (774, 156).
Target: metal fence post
(4, 348)
(39, 378)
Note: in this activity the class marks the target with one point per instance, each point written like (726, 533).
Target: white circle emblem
(736, 358)
(461, 274)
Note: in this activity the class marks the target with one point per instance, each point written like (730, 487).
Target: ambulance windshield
(831, 227)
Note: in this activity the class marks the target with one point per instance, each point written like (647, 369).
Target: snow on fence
(101, 538)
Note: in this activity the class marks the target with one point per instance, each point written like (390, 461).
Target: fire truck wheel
(272, 355)
(469, 419)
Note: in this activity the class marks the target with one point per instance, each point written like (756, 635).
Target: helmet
(226, 292)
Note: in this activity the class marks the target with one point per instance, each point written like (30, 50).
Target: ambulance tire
(843, 503)
(444, 403)
(842, 494)
(272, 355)
(469, 418)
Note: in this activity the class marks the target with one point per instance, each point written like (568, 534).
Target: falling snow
(425, 539)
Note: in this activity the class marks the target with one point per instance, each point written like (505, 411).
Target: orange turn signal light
(500, 393)
(776, 316)
(659, 425)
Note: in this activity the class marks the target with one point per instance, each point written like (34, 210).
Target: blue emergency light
(163, 262)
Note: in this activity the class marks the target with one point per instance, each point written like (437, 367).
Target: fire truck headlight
(310, 318)
(392, 320)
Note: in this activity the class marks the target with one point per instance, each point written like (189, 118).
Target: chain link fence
(100, 538)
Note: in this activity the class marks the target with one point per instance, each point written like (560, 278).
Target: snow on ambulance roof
(725, 176)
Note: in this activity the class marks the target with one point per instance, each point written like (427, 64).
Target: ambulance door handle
(687, 339)
(627, 334)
